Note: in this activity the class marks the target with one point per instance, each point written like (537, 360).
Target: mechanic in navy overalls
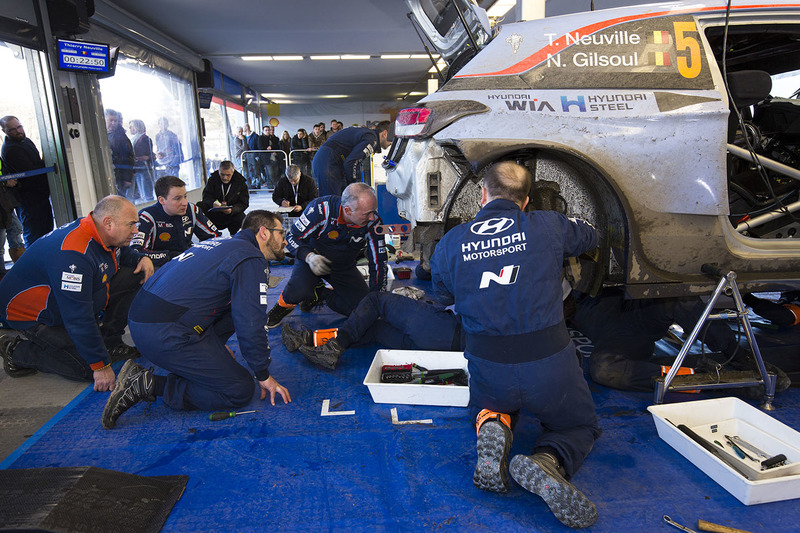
(183, 316)
(338, 162)
(327, 239)
(167, 226)
(394, 321)
(503, 272)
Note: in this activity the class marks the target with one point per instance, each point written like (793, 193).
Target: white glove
(319, 264)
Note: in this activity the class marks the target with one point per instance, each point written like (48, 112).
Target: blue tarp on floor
(288, 468)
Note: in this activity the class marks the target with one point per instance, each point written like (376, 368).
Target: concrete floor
(26, 404)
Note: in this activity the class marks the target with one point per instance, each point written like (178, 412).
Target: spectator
(239, 147)
(335, 126)
(295, 189)
(225, 198)
(29, 196)
(286, 143)
(144, 157)
(121, 153)
(10, 227)
(338, 163)
(60, 287)
(166, 227)
(300, 158)
(269, 161)
(316, 138)
(300, 140)
(252, 168)
(170, 152)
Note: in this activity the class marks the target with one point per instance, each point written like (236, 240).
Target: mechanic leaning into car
(624, 333)
(503, 272)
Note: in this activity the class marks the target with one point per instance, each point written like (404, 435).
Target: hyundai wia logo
(493, 226)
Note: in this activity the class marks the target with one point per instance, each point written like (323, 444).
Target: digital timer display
(82, 56)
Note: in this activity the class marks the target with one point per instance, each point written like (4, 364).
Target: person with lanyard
(294, 190)
(225, 198)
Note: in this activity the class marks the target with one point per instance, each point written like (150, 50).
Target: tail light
(412, 122)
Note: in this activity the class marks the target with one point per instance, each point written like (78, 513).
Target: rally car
(645, 121)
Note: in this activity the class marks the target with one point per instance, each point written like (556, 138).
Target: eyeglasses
(281, 230)
(9, 130)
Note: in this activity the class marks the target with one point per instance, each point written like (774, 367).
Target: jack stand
(726, 282)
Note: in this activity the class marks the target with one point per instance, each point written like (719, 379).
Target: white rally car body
(622, 116)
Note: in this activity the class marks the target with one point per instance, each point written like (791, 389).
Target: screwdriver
(222, 415)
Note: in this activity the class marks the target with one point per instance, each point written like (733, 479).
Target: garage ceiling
(224, 31)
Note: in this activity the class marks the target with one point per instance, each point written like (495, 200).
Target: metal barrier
(302, 158)
(263, 168)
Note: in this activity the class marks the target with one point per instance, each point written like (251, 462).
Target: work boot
(123, 352)
(7, 346)
(494, 445)
(295, 338)
(541, 474)
(326, 355)
(321, 293)
(276, 314)
(134, 384)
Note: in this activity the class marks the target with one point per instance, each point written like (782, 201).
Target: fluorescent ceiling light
(423, 56)
(257, 58)
(334, 96)
(395, 56)
(500, 8)
(287, 58)
(284, 101)
(354, 56)
(274, 95)
(324, 58)
(417, 93)
(441, 64)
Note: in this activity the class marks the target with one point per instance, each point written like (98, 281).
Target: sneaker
(134, 384)
(321, 293)
(295, 338)
(276, 314)
(123, 352)
(540, 474)
(326, 355)
(494, 445)
(7, 345)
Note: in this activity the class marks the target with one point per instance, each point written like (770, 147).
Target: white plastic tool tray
(712, 420)
(416, 394)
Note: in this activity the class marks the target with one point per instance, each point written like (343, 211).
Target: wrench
(671, 522)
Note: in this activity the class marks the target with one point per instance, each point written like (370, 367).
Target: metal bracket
(727, 282)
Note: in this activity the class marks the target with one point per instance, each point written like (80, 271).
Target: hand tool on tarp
(702, 525)
(224, 415)
(413, 373)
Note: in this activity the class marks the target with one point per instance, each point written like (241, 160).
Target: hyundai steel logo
(493, 226)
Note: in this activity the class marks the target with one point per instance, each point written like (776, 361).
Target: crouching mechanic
(392, 320)
(186, 312)
(58, 289)
(326, 240)
(503, 272)
(166, 227)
